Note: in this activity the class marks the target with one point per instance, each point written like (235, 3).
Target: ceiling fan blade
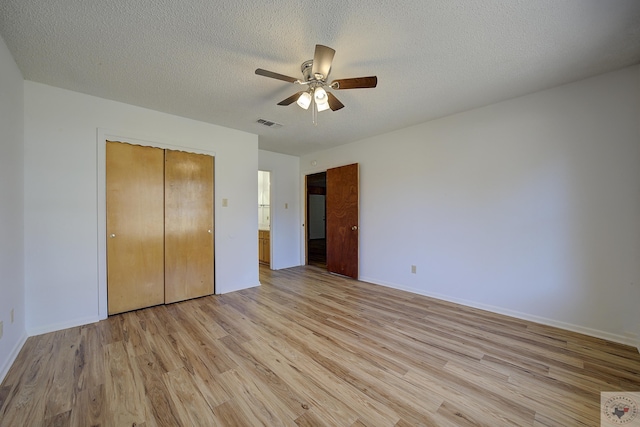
(290, 100)
(355, 83)
(322, 60)
(273, 75)
(334, 103)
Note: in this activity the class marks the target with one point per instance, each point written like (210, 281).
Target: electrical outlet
(1, 324)
(12, 315)
(413, 269)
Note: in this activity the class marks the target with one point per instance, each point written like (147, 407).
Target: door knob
(209, 231)
(354, 228)
(112, 236)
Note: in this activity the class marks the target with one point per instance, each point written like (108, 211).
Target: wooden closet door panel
(135, 226)
(188, 225)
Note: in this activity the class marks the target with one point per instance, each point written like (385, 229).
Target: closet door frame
(104, 135)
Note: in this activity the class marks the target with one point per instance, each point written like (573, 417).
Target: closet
(159, 226)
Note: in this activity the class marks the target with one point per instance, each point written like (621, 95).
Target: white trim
(241, 288)
(621, 339)
(62, 325)
(272, 223)
(4, 369)
(102, 136)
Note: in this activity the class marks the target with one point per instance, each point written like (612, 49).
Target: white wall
(64, 250)
(529, 207)
(11, 210)
(285, 208)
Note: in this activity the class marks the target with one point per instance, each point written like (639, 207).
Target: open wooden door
(188, 226)
(135, 226)
(342, 220)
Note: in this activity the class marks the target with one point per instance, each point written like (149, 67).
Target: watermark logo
(619, 408)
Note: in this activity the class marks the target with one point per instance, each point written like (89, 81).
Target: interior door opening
(316, 220)
(264, 217)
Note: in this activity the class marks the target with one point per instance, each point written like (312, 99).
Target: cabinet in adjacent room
(160, 245)
(264, 246)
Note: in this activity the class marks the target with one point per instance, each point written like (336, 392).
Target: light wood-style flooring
(311, 349)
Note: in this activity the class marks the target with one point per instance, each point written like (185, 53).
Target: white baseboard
(238, 288)
(45, 329)
(4, 369)
(636, 343)
(622, 339)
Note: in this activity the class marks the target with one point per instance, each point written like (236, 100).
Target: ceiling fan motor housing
(306, 69)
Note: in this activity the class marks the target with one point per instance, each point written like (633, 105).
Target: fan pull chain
(314, 113)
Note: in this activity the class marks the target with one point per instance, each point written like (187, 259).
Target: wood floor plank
(126, 403)
(67, 369)
(256, 402)
(89, 408)
(190, 405)
(325, 379)
(311, 349)
(25, 405)
(332, 409)
(158, 399)
(62, 419)
(294, 402)
(310, 419)
(228, 414)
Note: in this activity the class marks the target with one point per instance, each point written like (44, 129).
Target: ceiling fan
(315, 73)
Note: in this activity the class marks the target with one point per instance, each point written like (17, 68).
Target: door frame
(304, 250)
(104, 135)
(307, 213)
(271, 212)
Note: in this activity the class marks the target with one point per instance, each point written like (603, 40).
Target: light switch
(225, 203)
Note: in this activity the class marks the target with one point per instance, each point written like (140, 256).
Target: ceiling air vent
(269, 123)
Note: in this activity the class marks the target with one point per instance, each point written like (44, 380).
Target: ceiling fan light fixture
(304, 100)
(321, 98)
(323, 106)
(320, 95)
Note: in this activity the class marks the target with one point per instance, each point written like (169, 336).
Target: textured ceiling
(196, 58)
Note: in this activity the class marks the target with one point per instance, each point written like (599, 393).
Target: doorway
(332, 232)
(316, 220)
(264, 217)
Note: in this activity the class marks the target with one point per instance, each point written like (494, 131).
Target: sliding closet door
(135, 226)
(188, 225)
